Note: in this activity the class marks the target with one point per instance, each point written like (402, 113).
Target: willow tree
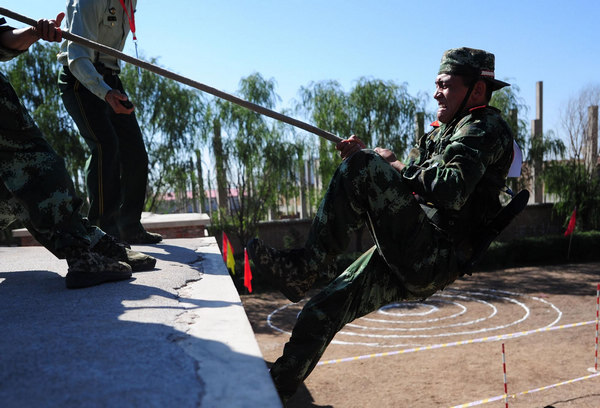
(214, 117)
(327, 107)
(381, 113)
(256, 158)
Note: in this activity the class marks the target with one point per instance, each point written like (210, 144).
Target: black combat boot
(87, 268)
(110, 247)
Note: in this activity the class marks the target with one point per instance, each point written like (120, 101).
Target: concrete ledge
(184, 225)
(175, 336)
(151, 220)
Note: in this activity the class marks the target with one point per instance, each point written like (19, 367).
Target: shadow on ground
(103, 344)
(568, 279)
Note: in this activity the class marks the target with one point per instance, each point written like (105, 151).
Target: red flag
(571, 226)
(247, 272)
(225, 240)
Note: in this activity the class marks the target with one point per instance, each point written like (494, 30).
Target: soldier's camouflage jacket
(459, 168)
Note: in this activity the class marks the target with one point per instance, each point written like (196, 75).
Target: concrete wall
(535, 220)
(293, 233)
(184, 225)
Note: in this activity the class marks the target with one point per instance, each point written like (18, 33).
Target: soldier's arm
(448, 180)
(389, 157)
(20, 39)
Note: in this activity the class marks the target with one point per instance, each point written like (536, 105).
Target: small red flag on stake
(247, 272)
(571, 226)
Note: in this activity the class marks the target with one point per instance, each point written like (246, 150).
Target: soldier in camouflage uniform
(36, 189)
(422, 216)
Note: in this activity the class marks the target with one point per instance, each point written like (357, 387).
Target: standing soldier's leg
(134, 169)
(133, 160)
(10, 210)
(134, 173)
(91, 115)
(38, 182)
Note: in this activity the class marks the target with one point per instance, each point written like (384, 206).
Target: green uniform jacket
(458, 170)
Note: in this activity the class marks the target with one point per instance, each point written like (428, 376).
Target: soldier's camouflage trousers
(411, 259)
(34, 184)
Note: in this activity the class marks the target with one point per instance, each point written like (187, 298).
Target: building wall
(293, 233)
(535, 220)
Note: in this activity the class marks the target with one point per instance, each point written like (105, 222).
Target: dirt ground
(447, 351)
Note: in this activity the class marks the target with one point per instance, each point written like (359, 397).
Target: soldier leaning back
(421, 214)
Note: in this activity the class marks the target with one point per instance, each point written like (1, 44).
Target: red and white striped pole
(505, 384)
(597, 320)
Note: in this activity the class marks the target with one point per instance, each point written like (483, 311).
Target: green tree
(258, 161)
(514, 110)
(574, 183)
(383, 114)
(328, 107)
(221, 164)
(573, 186)
(380, 113)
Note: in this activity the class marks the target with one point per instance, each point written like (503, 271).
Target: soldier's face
(449, 94)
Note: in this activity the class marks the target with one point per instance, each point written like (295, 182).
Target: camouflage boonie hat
(472, 63)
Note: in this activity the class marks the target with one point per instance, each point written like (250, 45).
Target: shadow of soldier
(116, 344)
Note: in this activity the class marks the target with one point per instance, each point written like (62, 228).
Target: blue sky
(296, 42)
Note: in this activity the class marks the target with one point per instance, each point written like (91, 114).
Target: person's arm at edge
(21, 39)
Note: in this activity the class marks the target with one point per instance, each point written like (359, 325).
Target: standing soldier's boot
(111, 248)
(87, 268)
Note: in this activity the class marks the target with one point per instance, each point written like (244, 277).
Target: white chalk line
(408, 336)
(503, 396)
(457, 343)
(493, 312)
(431, 309)
(494, 328)
(413, 329)
(547, 328)
(437, 319)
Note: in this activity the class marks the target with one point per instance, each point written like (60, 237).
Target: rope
(179, 78)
